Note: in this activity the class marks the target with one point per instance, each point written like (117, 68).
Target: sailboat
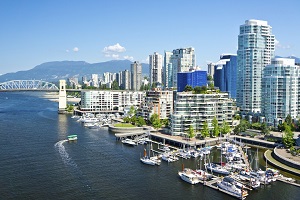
(213, 167)
(203, 174)
(146, 160)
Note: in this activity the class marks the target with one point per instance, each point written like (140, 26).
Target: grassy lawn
(124, 125)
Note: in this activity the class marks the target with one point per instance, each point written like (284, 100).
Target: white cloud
(281, 46)
(75, 49)
(146, 60)
(115, 56)
(67, 50)
(128, 58)
(117, 48)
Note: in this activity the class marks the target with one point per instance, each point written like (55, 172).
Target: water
(36, 161)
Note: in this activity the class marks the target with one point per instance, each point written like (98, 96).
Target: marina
(98, 166)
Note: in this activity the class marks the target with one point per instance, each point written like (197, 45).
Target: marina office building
(109, 101)
(195, 109)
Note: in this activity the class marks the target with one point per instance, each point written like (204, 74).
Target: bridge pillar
(62, 104)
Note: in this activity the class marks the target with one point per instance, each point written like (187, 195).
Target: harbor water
(36, 161)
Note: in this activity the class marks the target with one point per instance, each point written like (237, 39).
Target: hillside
(56, 70)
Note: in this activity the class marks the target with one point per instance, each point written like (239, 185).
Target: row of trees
(200, 90)
(206, 132)
(139, 121)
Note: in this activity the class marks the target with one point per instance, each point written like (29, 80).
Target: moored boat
(129, 142)
(189, 176)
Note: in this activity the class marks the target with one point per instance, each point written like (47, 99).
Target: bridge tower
(62, 104)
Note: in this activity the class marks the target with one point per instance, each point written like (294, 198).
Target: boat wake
(75, 170)
(63, 153)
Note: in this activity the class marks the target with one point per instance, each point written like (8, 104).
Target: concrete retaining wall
(284, 160)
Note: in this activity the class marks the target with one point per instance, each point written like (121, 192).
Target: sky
(33, 31)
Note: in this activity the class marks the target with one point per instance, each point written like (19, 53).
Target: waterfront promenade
(194, 142)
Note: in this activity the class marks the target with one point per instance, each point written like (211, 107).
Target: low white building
(195, 109)
(109, 100)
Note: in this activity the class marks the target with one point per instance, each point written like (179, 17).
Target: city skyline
(35, 32)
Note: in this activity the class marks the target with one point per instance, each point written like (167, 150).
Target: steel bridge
(28, 85)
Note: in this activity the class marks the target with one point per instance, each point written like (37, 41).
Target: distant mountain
(53, 71)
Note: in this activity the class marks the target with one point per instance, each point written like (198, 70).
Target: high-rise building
(155, 68)
(183, 60)
(136, 76)
(211, 69)
(194, 78)
(126, 80)
(168, 70)
(225, 71)
(95, 80)
(256, 46)
(280, 91)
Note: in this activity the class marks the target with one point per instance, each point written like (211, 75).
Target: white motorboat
(232, 189)
(216, 168)
(129, 142)
(169, 157)
(189, 176)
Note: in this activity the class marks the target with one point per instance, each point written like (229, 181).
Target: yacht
(129, 142)
(189, 176)
(216, 168)
(232, 189)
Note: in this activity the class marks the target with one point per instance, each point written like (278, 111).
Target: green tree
(133, 120)
(237, 117)
(155, 121)
(126, 119)
(209, 78)
(216, 128)
(115, 85)
(288, 139)
(205, 130)
(70, 108)
(265, 129)
(165, 122)
(140, 121)
(191, 132)
(197, 90)
(225, 128)
(211, 86)
(153, 85)
(288, 120)
(188, 88)
(132, 111)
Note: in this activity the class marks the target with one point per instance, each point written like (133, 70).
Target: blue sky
(34, 31)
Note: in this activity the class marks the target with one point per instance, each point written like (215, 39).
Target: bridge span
(28, 85)
(39, 85)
